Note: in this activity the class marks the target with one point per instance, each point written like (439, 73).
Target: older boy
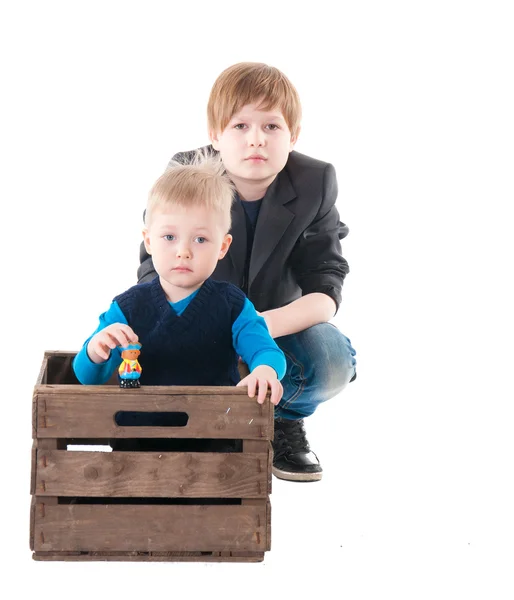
(286, 253)
(182, 318)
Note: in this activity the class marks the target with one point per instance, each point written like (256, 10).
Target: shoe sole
(290, 476)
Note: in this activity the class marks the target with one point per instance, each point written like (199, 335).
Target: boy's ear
(227, 240)
(214, 137)
(146, 240)
(294, 139)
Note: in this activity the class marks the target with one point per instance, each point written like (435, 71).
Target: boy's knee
(330, 355)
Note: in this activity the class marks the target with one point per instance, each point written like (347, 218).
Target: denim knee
(320, 363)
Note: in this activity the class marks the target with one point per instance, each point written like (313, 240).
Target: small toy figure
(130, 370)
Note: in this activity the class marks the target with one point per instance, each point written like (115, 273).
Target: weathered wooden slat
(51, 354)
(34, 415)
(149, 528)
(152, 474)
(60, 370)
(32, 521)
(87, 442)
(211, 415)
(151, 557)
(268, 525)
(51, 444)
(261, 447)
(270, 466)
(145, 390)
(33, 468)
(42, 377)
(258, 446)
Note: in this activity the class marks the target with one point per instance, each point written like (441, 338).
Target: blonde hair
(248, 82)
(201, 181)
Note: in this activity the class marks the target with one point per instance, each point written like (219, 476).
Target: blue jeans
(320, 363)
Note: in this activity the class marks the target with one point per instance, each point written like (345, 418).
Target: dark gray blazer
(296, 249)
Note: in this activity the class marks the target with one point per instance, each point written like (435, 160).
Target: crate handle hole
(133, 418)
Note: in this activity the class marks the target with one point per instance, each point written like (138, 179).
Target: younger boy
(286, 251)
(192, 329)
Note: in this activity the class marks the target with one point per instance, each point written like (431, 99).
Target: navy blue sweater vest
(194, 348)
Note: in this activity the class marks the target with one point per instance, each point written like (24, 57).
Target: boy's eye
(200, 239)
(273, 127)
(169, 237)
(239, 126)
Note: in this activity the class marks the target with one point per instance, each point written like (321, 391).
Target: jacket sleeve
(316, 258)
(145, 271)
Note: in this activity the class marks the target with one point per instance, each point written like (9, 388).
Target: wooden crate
(191, 483)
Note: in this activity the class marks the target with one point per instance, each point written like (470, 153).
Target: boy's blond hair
(246, 83)
(200, 182)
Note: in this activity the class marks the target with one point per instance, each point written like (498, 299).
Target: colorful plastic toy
(130, 370)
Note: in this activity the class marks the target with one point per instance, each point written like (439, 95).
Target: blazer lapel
(274, 219)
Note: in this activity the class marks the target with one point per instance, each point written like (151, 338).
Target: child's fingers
(101, 350)
(118, 334)
(123, 335)
(121, 338)
(109, 339)
(129, 333)
(106, 341)
(251, 383)
(276, 391)
(263, 390)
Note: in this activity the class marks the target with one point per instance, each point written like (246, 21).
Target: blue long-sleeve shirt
(250, 337)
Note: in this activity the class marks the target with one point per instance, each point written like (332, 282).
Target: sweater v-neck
(168, 315)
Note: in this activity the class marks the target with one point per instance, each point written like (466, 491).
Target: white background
(413, 104)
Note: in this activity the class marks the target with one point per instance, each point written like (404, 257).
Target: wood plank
(238, 557)
(34, 415)
(87, 442)
(32, 521)
(262, 505)
(268, 525)
(147, 390)
(60, 369)
(149, 528)
(51, 444)
(152, 474)
(270, 467)
(59, 353)
(43, 372)
(259, 446)
(222, 414)
(265, 448)
(33, 468)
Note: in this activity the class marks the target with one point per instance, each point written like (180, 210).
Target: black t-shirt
(251, 209)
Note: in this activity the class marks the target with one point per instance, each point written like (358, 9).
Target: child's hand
(101, 344)
(259, 380)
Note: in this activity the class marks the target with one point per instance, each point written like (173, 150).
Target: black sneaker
(293, 458)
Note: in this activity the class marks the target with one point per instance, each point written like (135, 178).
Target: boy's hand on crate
(259, 380)
(101, 344)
